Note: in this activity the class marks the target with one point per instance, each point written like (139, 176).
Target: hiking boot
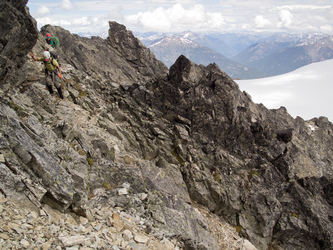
(49, 87)
(60, 93)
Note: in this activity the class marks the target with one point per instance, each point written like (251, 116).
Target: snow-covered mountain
(305, 92)
(227, 44)
(211, 42)
(237, 41)
(282, 53)
(169, 48)
(104, 34)
(148, 38)
(258, 54)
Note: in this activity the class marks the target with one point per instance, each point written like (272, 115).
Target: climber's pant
(52, 76)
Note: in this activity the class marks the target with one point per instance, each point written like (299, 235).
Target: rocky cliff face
(18, 36)
(158, 144)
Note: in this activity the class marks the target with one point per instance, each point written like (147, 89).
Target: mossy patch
(254, 172)
(238, 228)
(217, 177)
(15, 106)
(107, 185)
(178, 157)
(82, 93)
(90, 161)
(81, 152)
(296, 215)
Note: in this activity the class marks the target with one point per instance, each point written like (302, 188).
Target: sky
(179, 15)
(305, 92)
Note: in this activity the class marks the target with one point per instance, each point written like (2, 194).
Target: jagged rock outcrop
(271, 155)
(18, 35)
(158, 142)
(120, 58)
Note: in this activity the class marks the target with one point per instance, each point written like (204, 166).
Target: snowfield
(306, 92)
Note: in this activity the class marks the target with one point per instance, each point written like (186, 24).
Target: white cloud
(62, 22)
(195, 15)
(66, 4)
(47, 20)
(246, 26)
(216, 20)
(90, 23)
(82, 24)
(150, 20)
(44, 20)
(81, 21)
(286, 19)
(261, 22)
(116, 14)
(177, 18)
(42, 11)
(329, 13)
(326, 28)
(303, 7)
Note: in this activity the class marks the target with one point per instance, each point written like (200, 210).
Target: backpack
(55, 41)
(53, 54)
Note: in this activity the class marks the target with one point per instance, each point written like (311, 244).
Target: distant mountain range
(241, 55)
(227, 44)
(283, 53)
(246, 55)
(169, 48)
(104, 35)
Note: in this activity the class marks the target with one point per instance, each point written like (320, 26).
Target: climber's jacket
(50, 65)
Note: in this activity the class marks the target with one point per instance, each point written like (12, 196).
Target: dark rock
(18, 36)
(285, 135)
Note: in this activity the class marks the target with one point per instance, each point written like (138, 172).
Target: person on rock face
(52, 40)
(52, 43)
(52, 72)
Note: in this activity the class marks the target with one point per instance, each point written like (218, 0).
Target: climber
(52, 71)
(52, 40)
(51, 44)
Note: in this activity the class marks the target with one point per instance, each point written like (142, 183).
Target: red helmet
(48, 35)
